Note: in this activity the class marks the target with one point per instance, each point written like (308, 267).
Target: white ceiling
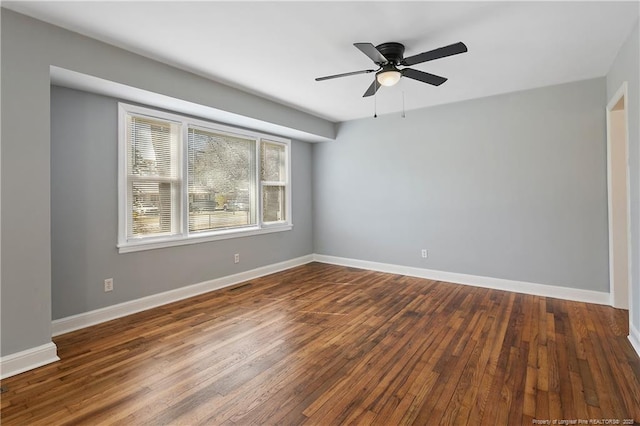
(276, 49)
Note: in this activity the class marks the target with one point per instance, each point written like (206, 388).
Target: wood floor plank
(326, 345)
(484, 406)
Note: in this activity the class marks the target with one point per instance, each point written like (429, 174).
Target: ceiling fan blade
(424, 77)
(371, 51)
(441, 52)
(346, 74)
(372, 89)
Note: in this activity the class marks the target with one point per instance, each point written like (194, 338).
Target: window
(184, 180)
(221, 177)
(274, 181)
(153, 178)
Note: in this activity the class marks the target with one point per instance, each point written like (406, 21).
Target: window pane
(221, 181)
(273, 205)
(152, 208)
(152, 147)
(272, 162)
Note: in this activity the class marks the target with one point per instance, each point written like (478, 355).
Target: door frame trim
(621, 93)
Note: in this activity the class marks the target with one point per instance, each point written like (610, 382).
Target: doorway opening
(619, 199)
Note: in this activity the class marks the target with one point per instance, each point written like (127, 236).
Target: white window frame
(126, 244)
(285, 184)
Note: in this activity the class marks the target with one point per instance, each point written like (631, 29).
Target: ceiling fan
(388, 56)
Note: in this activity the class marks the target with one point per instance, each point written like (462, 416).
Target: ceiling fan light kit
(388, 56)
(388, 76)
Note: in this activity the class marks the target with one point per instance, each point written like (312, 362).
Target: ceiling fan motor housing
(394, 52)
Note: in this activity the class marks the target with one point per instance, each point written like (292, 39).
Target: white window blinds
(153, 178)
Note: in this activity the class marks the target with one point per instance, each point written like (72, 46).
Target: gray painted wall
(28, 49)
(84, 219)
(626, 68)
(511, 186)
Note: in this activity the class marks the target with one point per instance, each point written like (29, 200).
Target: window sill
(133, 246)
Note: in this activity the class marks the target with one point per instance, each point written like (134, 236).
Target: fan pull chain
(403, 114)
(375, 100)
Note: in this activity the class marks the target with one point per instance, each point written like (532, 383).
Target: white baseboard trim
(634, 338)
(76, 322)
(29, 359)
(575, 294)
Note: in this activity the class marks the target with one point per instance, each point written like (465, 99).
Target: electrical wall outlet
(236, 258)
(425, 253)
(108, 284)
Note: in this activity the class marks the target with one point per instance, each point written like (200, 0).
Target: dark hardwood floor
(328, 345)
